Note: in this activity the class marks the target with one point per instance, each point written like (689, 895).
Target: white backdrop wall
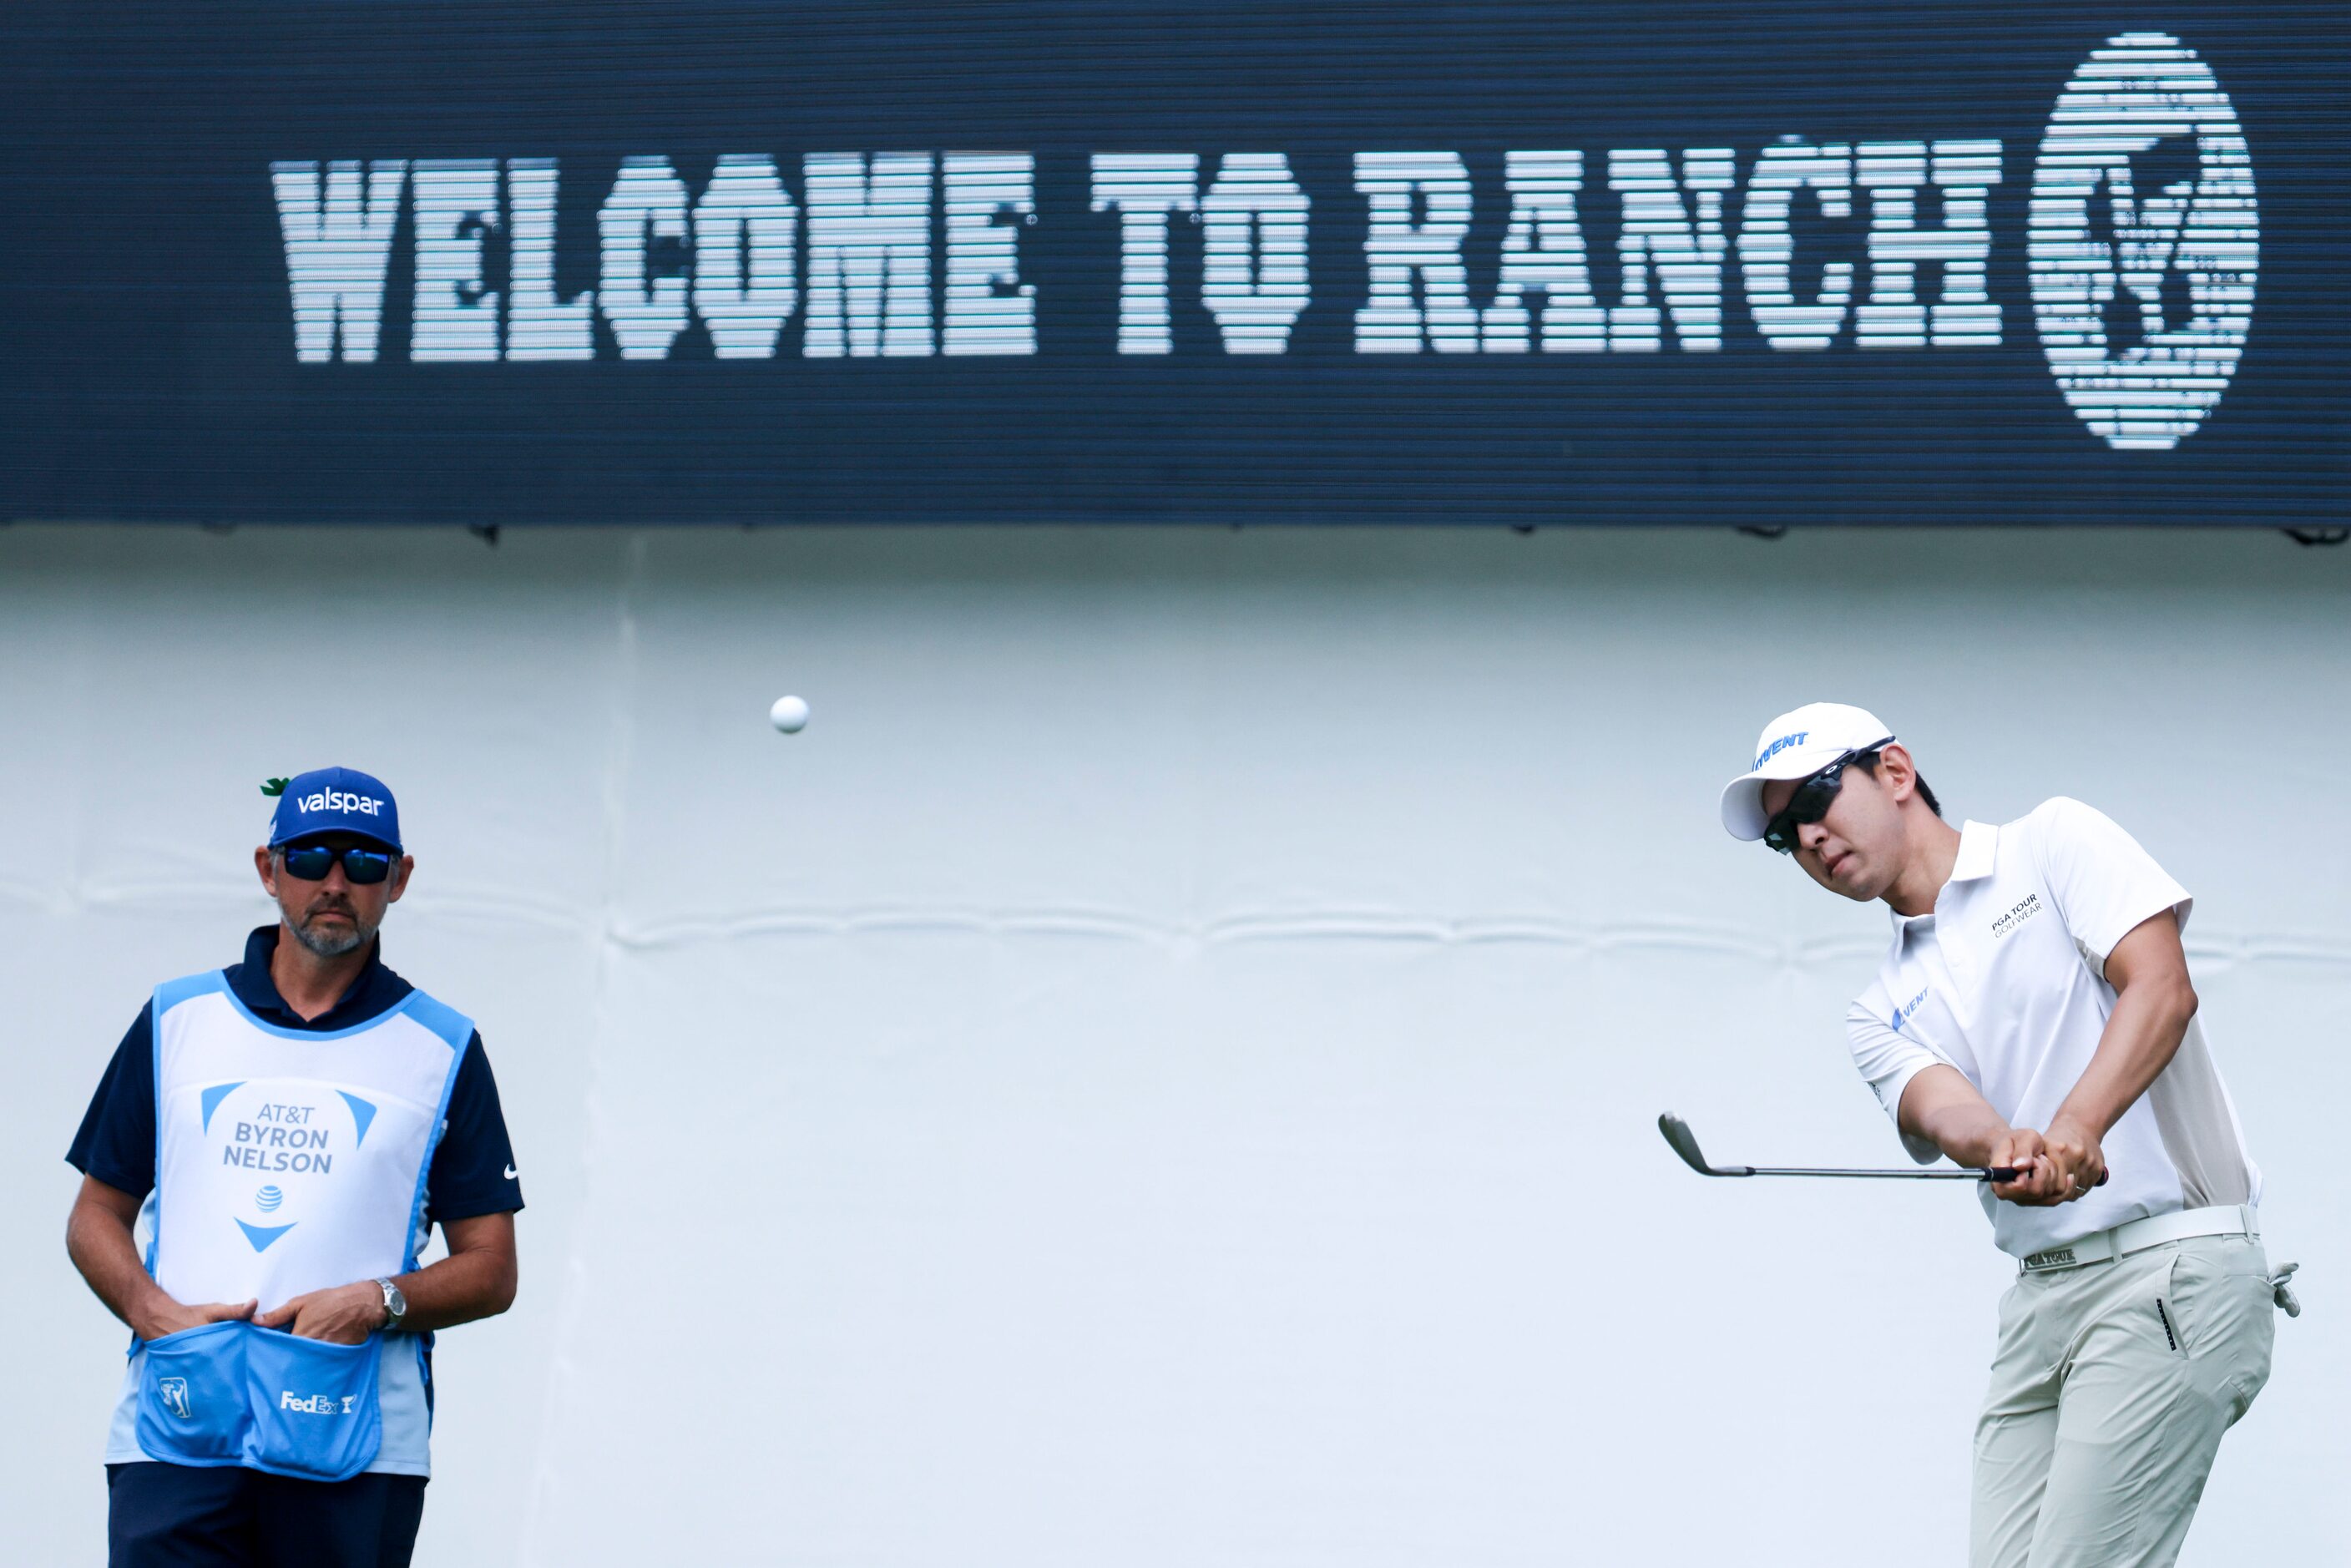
(1161, 1074)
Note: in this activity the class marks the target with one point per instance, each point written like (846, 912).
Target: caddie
(2034, 1011)
(284, 1134)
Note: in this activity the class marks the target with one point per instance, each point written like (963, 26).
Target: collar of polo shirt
(1978, 847)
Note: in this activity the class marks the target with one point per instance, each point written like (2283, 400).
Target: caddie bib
(287, 1161)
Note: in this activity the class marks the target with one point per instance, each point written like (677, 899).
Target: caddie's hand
(160, 1315)
(2037, 1186)
(346, 1314)
(2072, 1149)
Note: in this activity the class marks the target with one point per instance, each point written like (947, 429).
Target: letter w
(336, 250)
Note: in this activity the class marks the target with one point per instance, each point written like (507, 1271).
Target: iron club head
(1684, 1143)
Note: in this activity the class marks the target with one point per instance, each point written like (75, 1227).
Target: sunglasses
(311, 862)
(1811, 801)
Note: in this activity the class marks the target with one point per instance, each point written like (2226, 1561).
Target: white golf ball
(790, 715)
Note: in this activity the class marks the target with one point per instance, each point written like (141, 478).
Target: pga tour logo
(173, 1393)
(2023, 911)
(317, 1403)
(2142, 292)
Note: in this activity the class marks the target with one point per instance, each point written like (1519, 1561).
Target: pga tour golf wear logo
(173, 1393)
(2141, 289)
(2024, 910)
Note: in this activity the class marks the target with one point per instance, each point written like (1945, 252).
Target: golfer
(2034, 1011)
(285, 1132)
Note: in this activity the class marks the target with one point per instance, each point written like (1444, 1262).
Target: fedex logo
(1779, 745)
(317, 1403)
(338, 801)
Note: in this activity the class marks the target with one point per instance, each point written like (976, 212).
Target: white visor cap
(1793, 746)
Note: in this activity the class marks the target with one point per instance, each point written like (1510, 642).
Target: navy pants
(180, 1516)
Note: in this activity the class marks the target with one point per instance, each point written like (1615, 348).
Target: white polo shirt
(2005, 981)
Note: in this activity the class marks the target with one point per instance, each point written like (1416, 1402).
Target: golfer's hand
(2072, 1151)
(2038, 1185)
(344, 1315)
(161, 1315)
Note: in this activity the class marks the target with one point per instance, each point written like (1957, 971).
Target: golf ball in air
(790, 715)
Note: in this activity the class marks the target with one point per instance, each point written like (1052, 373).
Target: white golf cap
(1796, 744)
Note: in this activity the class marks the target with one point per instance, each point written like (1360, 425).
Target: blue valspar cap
(333, 800)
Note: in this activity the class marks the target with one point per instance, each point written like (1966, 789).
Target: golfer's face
(1850, 849)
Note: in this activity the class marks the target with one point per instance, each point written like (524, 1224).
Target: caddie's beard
(326, 944)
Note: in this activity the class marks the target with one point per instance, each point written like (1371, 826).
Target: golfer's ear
(403, 869)
(261, 868)
(1900, 773)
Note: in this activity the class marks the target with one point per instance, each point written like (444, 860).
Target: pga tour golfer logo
(2142, 286)
(2203, 229)
(173, 1393)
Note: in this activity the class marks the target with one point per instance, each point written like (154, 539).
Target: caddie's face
(1856, 849)
(333, 914)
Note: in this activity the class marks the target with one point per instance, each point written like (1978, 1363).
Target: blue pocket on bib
(315, 1411)
(231, 1393)
(193, 1404)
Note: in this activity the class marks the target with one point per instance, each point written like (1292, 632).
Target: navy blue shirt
(472, 1169)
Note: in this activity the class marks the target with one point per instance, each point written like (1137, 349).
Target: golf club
(1684, 1143)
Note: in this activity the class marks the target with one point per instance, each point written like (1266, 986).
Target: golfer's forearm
(1942, 1107)
(2142, 1035)
(1967, 1137)
(101, 1247)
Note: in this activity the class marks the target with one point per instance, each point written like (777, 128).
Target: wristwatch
(396, 1305)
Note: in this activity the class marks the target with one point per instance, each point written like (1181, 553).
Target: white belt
(2138, 1234)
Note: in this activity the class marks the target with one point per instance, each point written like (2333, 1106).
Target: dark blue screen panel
(1522, 263)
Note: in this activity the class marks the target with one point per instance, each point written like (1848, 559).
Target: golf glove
(2283, 1292)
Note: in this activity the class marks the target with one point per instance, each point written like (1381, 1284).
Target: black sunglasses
(311, 862)
(1811, 801)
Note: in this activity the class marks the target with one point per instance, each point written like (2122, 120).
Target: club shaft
(1996, 1173)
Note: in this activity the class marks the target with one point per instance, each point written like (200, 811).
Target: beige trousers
(2110, 1391)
